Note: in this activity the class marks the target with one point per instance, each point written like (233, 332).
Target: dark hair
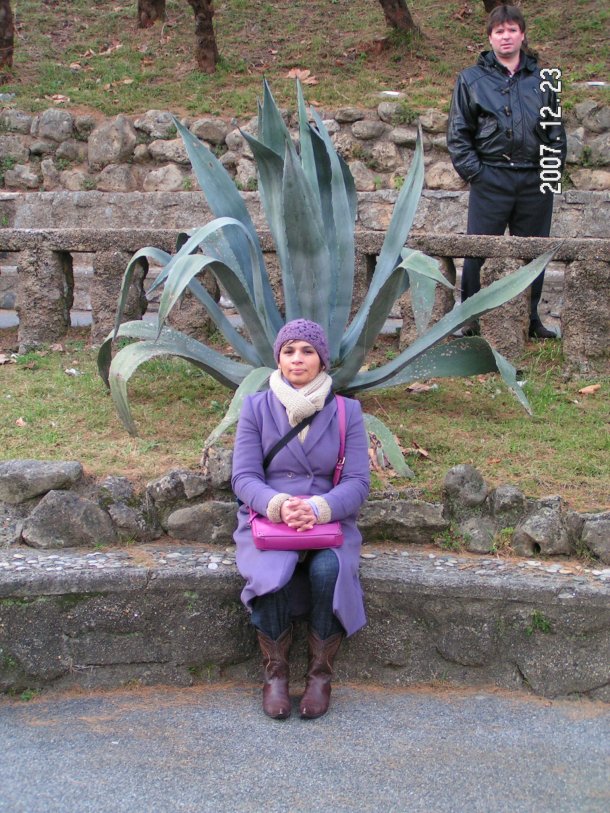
(505, 14)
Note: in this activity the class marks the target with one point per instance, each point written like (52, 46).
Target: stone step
(168, 613)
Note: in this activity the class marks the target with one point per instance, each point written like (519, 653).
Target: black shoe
(539, 331)
(468, 329)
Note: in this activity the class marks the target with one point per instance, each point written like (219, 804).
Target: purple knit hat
(304, 331)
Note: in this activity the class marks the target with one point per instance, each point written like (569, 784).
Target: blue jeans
(271, 612)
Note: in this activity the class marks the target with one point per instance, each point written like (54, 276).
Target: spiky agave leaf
(248, 300)
(376, 316)
(325, 186)
(271, 181)
(271, 127)
(310, 258)
(459, 358)
(338, 199)
(183, 276)
(423, 274)
(389, 445)
(414, 265)
(149, 252)
(253, 382)
(482, 302)
(225, 201)
(170, 342)
(396, 236)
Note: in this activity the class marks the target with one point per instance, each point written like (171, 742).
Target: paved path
(378, 750)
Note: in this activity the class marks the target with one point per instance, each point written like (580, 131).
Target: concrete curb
(168, 613)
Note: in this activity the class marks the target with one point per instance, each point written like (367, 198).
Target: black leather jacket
(495, 118)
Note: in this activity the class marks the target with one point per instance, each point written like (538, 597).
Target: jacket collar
(488, 59)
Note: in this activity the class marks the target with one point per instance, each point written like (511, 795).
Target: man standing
(494, 136)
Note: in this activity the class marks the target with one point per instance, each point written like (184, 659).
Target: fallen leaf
(303, 74)
(21, 422)
(590, 390)
(75, 66)
(417, 386)
(114, 47)
(72, 371)
(89, 52)
(127, 81)
(273, 51)
(57, 348)
(6, 359)
(493, 460)
(420, 450)
(58, 98)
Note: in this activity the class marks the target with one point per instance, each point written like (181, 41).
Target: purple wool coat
(300, 469)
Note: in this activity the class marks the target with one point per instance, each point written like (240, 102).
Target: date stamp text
(550, 122)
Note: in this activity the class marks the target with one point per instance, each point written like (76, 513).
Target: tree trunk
(398, 15)
(206, 51)
(7, 33)
(149, 11)
(491, 4)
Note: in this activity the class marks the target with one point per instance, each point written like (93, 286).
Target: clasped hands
(297, 514)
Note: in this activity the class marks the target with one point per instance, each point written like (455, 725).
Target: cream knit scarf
(303, 402)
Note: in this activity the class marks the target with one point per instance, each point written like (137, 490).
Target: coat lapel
(316, 429)
(319, 425)
(294, 446)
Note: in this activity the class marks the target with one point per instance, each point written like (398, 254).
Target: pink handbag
(269, 535)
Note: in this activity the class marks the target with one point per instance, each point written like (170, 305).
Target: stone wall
(50, 506)
(58, 149)
(62, 170)
(98, 586)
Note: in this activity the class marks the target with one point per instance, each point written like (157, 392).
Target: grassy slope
(94, 54)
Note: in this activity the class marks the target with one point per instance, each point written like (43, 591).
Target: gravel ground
(211, 749)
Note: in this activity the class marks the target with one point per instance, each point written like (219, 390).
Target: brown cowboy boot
(276, 699)
(314, 702)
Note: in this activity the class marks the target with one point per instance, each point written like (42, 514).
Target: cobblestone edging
(170, 613)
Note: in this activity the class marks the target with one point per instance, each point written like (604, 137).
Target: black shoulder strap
(294, 431)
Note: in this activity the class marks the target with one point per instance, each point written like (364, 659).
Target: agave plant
(309, 199)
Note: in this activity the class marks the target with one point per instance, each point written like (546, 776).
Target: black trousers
(501, 197)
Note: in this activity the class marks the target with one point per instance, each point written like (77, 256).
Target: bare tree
(398, 15)
(7, 33)
(149, 11)
(206, 50)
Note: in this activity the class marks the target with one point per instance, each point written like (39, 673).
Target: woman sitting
(323, 584)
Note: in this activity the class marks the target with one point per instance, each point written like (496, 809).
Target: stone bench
(170, 613)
